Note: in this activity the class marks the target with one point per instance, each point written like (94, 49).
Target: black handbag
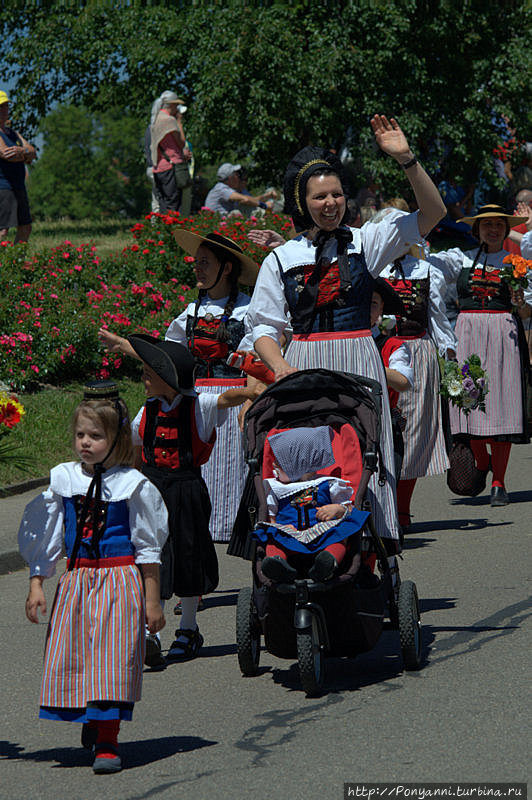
(463, 477)
(182, 175)
(183, 179)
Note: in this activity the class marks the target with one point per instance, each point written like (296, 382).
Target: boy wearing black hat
(175, 433)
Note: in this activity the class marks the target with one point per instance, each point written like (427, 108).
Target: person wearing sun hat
(15, 153)
(211, 328)
(321, 282)
(487, 326)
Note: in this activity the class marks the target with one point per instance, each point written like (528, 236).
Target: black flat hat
(169, 360)
(393, 305)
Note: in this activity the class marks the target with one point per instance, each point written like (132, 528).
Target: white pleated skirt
(358, 354)
(494, 338)
(420, 406)
(225, 471)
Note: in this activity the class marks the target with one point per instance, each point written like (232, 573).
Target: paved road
(204, 732)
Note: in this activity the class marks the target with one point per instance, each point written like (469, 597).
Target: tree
(92, 164)
(263, 81)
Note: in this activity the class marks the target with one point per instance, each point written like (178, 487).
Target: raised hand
(390, 137)
(524, 210)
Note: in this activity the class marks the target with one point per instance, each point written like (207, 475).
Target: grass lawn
(109, 235)
(44, 434)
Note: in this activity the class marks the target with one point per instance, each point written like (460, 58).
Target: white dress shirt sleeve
(40, 536)
(388, 240)
(148, 521)
(267, 313)
(440, 328)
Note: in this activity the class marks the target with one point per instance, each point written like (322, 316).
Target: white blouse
(40, 535)
(268, 313)
(451, 262)
(440, 329)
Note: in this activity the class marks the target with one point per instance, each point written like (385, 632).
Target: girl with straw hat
(211, 328)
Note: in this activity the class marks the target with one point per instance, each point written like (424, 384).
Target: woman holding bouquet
(488, 326)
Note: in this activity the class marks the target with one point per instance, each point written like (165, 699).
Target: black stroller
(303, 618)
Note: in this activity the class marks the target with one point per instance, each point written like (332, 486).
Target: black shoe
(187, 649)
(89, 734)
(154, 658)
(106, 766)
(499, 496)
(278, 569)
(323, 567)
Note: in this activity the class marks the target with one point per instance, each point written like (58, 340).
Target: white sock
(189, 606)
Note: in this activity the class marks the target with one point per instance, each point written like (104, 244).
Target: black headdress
(303, 166)
(97, 390)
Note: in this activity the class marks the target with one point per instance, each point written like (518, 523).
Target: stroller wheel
(311, 659)
(247, 633)
(409, 625)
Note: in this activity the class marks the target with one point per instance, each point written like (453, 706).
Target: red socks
(500, 453)
(107, 735)
(405, 490)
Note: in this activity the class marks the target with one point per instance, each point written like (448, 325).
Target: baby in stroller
(309, 514)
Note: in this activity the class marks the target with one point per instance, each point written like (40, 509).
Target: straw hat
(493, 210)
(190, 242)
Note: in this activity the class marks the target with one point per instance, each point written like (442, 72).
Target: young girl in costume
(113, 524)
(309, 514)
(175, 433)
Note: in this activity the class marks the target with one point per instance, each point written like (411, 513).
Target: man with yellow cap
(15, 153)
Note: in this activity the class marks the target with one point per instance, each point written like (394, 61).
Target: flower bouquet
(465, 385)
(515, 274)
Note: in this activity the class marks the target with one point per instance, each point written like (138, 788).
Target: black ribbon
(94, 491)
(398, 268)
(306, 305)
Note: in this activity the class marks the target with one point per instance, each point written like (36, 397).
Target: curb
(26, 486)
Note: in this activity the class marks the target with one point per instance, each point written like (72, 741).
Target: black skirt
(241, 544)
(189, 562)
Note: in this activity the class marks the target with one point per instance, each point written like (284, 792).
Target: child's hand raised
(35, 600)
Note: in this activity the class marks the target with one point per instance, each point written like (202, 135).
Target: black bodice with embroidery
(210, 354)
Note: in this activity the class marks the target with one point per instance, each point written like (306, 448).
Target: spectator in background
(155, 198)
(226, 195)
(168, 148)
(512, 242)
(15, 153)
